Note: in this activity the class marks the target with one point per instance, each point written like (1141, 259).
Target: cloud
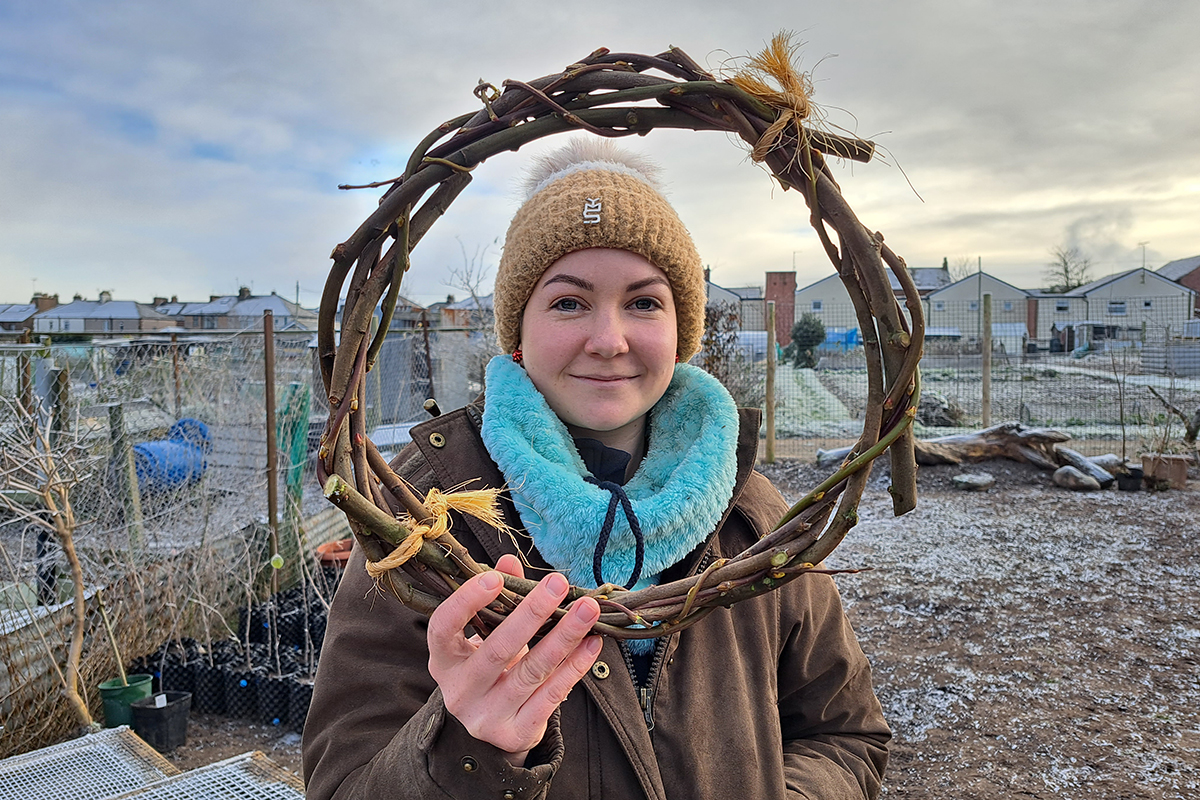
(183, 148)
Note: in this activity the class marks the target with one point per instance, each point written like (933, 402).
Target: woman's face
(598, 337)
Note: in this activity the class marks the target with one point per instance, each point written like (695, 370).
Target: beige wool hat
(591, 194)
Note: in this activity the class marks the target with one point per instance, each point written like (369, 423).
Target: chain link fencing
(160, 449)
(1094, 378)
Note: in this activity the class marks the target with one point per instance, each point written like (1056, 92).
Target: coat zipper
(646, 692)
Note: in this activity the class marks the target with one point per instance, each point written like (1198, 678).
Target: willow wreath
(406, 539)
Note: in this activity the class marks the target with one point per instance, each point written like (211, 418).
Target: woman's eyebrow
(642, 284)
(573, 280)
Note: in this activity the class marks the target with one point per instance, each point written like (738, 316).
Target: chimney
(105, 297)
(44, 302)
(781, 287)
(243, 293)
(77, 297)
(174, 298)
(159, 301)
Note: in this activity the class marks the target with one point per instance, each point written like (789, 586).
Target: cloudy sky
(189, 147)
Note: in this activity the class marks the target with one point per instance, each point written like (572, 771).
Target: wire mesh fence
(158, 449)
(1092, 373)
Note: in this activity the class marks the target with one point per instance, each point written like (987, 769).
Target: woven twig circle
(607, 94)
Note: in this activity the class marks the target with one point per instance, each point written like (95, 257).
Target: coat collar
(452, 446)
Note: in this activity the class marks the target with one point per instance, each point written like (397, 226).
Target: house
(407, 315)
(19, 316)
(100, 316)
(468, 313)
(828, 299)
(243, 311)
(1137, 304)
(959, 305)
(926, 279)
(1185, 271)
(748, 299)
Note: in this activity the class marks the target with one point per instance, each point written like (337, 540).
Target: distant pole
(979, 298)
(126, 475)
(272, 451)
(987, 360)
(1143, 246)
(769, 452)
(428, 357)
(175, 368)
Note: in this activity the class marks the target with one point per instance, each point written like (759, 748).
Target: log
(1007, 440)
(1073, 458)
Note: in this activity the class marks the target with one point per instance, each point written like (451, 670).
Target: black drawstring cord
(618, 495)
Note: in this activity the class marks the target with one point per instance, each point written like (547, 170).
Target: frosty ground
(1026, 642)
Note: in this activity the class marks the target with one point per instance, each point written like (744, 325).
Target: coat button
(509, 794)
(469, 764)
(437, 439)
(600, 670)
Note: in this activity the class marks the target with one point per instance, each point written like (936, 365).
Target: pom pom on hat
(592, 194)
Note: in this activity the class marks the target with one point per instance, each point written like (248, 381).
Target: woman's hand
(502, 691)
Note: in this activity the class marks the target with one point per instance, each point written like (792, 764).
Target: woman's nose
(607, 336)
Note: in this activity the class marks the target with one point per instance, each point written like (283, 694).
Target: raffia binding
(790, 94)
(482, 504)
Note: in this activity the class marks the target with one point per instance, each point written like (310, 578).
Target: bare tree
(961, 267)
(1067, 270)
(472, 277)
(37, 477)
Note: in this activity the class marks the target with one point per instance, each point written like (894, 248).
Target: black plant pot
(178, 678)
(162, 727)
(274, 695)
(298, 703)
(241, 693)
(291, 628)
(1131, 479)
(255, 627)
(208, 696)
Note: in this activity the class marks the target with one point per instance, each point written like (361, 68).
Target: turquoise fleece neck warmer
(679, 492)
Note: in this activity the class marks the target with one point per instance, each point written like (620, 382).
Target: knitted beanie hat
(591, 194)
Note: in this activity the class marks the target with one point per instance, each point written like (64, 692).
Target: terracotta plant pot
(335, 553)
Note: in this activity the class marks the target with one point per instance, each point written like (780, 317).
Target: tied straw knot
(482, 504)
(771, 78)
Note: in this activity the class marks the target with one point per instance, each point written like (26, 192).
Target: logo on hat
(591, 211)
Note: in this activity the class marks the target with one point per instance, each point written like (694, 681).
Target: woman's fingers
(549, 655)
(554, 690)
(514, 633)
(447, 645)
(511, 565)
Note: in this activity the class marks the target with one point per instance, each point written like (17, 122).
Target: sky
(190, 147)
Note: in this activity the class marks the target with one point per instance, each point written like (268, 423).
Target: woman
(622, 464)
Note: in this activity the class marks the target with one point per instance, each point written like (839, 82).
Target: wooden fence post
(987, 360)
(769, 452)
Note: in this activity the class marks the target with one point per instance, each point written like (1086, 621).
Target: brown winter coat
(769, 699)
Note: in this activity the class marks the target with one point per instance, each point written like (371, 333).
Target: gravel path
(1029, 641)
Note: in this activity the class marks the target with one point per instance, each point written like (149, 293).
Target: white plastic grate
(92, 767)
(251, 776)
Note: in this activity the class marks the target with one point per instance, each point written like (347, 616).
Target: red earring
(677, 358)
(518, 356)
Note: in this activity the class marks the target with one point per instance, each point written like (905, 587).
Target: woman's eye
(645, 304)
(567, 304)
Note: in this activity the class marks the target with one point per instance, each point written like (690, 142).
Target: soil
(1029, 641)
(1026, 641)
